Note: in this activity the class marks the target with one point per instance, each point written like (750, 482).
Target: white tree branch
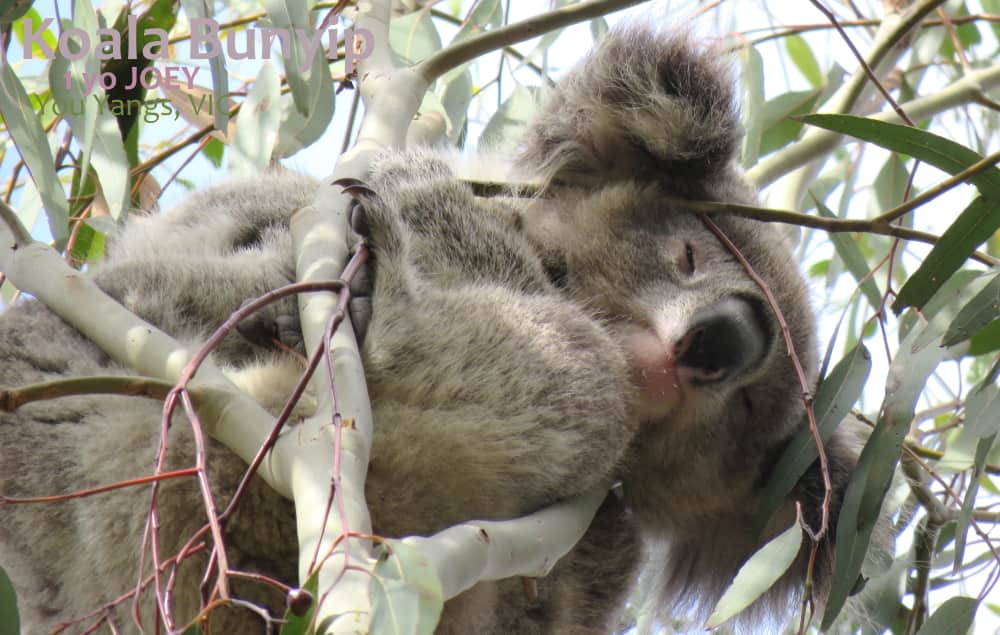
(822, 142)
(495, 550)
(804, 158)
(35, 268)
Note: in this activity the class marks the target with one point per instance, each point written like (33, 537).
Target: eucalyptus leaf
(876, 467)
(954, 617)
(836, 394)
(804, 60)
(406, 594)
(757, 575)
(92, 124)
(9, 620)
(257, 124)
(299, 624)
(854, 260)
(216, 63)
(33, 146)
(975, 314)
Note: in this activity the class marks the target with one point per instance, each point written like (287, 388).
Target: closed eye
(690, 259)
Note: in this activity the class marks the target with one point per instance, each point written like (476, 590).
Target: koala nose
(725, 340)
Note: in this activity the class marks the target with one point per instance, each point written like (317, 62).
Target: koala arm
(485, 382)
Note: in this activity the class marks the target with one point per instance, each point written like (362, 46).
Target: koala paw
(270, 328)
(400, 171)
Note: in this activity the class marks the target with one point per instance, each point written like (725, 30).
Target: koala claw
(355, 187)
(267, 330)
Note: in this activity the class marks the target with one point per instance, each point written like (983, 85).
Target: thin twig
(807, 397)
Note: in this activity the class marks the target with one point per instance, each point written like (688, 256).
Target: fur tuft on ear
(645, 105)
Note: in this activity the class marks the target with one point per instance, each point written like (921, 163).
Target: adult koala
(519, 352)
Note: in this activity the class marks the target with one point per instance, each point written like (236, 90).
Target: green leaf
(257, 124)
(292, 15)
(752, 80)
(299, 624)
(987, 340)
(954, 617)
(214, 151)
(968, 34)
(89, 245)
(9, 621)
(757, 575)
(942, 153)
(836, 394)
(890, 184)
(511, 118)
(993, 6)
(974, 225)
(849, 252)
(819, 269)
(298, 131)
(982, 410)
(875, 469)
(47, 36)
(126, 103)
(413, 37)
(544, 44)
(804, 60)
(942, 309)
(29, 207)
(779, 127)
(405, 592)
(32, 144)
(454, 89)
(217, 63)
(598, 29)
(92, 124)
(13, 10)
(977, 313)
(455, 95)
(969, 502)
(484, 15)
(982, 418)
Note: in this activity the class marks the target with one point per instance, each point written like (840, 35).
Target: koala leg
(190, 296)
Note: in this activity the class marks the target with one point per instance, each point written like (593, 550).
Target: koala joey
(519, 351)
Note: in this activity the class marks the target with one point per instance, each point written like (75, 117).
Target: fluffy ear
(647, 105)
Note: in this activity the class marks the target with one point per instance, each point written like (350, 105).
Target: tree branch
(884, 53)
(835, 225)
(232, 417)
(494, 550)
(454, 56)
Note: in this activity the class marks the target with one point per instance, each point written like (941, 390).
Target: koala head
(647, 122)
(701, 337)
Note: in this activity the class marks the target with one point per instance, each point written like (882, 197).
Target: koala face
(701, 339)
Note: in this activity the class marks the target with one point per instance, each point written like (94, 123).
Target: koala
(519, 351)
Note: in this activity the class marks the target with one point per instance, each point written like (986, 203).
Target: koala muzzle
(725, 340)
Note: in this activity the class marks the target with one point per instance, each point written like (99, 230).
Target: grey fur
(518, 353)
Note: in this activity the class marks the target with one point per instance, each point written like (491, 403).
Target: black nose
(726, 339)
